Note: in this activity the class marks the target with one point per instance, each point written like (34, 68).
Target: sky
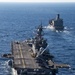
(37, 0)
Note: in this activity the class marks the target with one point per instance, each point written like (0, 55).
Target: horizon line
(38, 1)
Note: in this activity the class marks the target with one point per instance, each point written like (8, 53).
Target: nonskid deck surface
(24, 63)
(22, 57)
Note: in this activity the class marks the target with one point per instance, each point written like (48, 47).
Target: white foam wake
(50, 28)
(11, 70)
(14, 72)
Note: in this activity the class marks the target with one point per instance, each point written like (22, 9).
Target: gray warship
(57, 23)
(32, 56)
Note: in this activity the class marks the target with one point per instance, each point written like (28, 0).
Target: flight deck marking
(21, 55)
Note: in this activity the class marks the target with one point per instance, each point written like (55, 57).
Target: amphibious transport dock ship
(32, 56)
(57, 23)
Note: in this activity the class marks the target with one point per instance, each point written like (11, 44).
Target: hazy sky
(37, 0)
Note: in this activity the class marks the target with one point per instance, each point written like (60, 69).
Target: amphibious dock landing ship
(57, 23)
(32, 56)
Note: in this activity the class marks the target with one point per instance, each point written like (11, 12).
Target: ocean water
(19, 20)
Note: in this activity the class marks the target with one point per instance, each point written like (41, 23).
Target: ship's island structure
(57, 23)
(32, 56)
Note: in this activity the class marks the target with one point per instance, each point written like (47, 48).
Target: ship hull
(61, 28)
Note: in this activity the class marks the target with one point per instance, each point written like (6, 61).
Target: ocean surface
(19, 20)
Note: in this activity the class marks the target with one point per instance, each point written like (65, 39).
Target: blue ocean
(19, 20)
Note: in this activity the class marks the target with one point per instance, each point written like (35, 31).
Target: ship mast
(39, 43)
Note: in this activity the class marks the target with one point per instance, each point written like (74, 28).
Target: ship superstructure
(57, 23)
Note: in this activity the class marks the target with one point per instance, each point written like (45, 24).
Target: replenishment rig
(57, 23)
(32, 56)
